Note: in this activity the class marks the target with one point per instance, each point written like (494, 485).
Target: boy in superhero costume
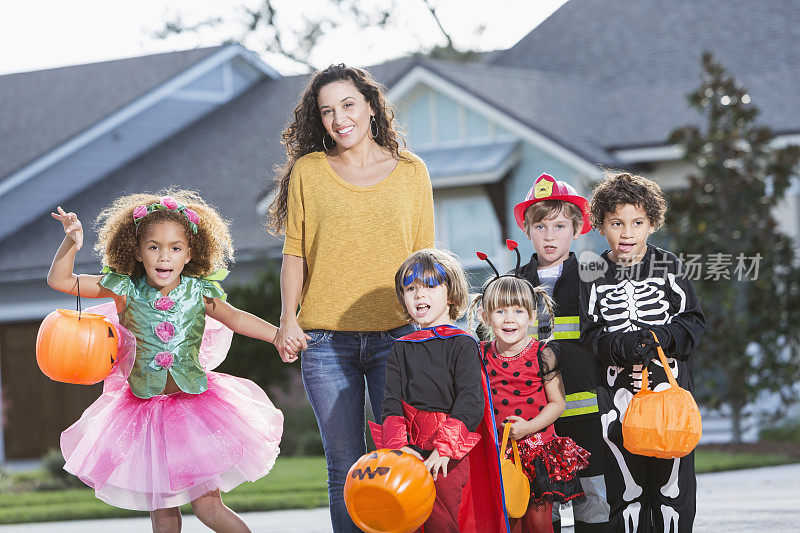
(435, 403)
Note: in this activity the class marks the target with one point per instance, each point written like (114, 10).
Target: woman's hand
(72, 226)
(293, 347)
(436, 462)
(520, 428)
(290, 340)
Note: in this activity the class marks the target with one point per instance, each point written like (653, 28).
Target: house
(599, 83)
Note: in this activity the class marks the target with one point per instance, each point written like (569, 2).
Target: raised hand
(72, 226)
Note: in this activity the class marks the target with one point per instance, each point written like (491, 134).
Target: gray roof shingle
(45, 108)
(641, 57)
(556, 106)
(227, 156)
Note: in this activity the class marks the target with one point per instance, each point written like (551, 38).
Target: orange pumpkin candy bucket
(516, 487)
(76, 347)
(663, 424)
(389, 491)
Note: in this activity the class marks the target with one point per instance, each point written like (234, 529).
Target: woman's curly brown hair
(117, 236)
(304, 134)
(619, 188)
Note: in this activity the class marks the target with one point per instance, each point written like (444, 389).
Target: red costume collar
(533, 345)
(436, 332)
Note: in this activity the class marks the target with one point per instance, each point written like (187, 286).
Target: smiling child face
(163, 251)
(428, 306)
(510, 327)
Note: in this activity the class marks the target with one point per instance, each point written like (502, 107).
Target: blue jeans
(334, 369)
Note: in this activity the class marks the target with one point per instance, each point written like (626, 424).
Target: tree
(752, 339)
(298, 44)
(259, 361)
(254, 359)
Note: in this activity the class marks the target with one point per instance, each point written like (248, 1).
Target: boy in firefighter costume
(635, 288)
(553, 215)
(435, 406)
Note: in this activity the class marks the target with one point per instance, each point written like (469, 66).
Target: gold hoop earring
(324, 146)
(373, 126)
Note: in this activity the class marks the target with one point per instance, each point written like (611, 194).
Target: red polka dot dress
(550, 462)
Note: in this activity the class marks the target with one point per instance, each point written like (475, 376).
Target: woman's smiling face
(345, 113)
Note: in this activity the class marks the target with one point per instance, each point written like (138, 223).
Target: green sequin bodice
(168, 331)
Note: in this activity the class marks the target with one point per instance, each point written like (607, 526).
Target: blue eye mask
(417, 273)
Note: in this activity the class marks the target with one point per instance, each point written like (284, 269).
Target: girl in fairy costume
(166, 431)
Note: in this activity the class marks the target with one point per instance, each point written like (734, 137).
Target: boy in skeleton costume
(633, 289)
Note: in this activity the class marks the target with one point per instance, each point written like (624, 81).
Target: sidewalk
(744, 501)
(741, 501)
(292, 521)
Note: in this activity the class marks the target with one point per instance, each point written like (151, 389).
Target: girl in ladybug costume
(527, 392)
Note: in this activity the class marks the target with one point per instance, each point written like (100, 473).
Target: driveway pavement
(742, 501)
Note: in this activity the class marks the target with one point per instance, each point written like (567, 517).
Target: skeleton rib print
(631, 305)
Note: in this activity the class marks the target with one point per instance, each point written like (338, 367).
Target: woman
(352, 207)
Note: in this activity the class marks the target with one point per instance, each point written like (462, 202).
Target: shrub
(787, 432)
(58, 478)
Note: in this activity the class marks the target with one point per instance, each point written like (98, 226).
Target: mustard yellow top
(354, 239)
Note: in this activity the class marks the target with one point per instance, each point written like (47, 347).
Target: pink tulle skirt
(170, 449)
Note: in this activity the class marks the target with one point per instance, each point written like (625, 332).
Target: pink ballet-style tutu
(147, 454)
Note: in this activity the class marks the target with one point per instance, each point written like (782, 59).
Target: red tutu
(552, 466)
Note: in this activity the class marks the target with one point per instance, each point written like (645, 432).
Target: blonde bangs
(509, 291)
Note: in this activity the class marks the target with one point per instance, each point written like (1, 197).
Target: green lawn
(295, 482)
(717, 461)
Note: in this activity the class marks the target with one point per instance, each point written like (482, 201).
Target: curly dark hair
(619, 188)
(117, 236)
(304, 134)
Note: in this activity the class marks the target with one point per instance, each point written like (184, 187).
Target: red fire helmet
(547, 188)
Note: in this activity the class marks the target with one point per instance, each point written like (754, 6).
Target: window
(466, 222)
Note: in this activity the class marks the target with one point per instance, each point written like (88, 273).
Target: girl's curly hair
(620, 188)
(304, 134)
(117, 236)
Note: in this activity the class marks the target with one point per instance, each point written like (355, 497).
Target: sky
(40, 34)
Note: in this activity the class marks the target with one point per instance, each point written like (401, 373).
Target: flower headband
(167, 203)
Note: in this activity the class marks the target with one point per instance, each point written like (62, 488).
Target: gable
(124, 134)
(45, 108)
(439, 113)
(431, 118)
